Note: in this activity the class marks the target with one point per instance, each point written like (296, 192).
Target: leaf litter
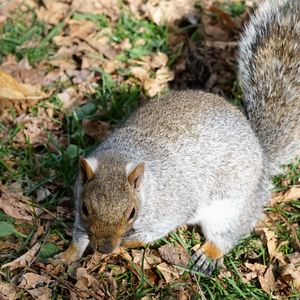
(84, 45)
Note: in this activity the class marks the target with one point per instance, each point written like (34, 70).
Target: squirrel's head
(109, 201)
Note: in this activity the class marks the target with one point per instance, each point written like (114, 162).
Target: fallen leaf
(15, 204)
(25, 260)
(158, 60)
(109, 8)
(267, 280)
(8, 291)
(68, 98)
(31, 280)
(41, 194)
(52, 11)
(22, 95)
(174, 255)
(167, 12)
(87, 282)
(151, 258)
(140, 73)
(272, 245)
(292, 274)
(41, 293)
(265, 276)
(292, 194)
(169, 273)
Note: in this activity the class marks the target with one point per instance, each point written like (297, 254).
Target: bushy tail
(269, 69)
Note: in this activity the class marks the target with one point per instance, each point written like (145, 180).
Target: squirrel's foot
(206, 258)
(66, 257)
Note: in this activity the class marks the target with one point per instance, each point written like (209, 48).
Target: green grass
(28, 38)
(112, 102)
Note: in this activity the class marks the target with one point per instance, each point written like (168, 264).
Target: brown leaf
(68, 97)
(292, 275)
(169, 273)
(272, 245)
(41, 293)
(140, 73)
(15, 204)
(95, 128)
(53, 11)
(12, 90)
(174, 255)
(151, 258)
(158, 60)
(86, 282)
(292, 194)
(24, 260)
(267, 280)
(167, 12)
(265, 276)
(81, 28)
(110, 8)
(8, 291)
(31, 280)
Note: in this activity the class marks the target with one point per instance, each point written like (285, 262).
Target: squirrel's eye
(132, 214)
(84, 209)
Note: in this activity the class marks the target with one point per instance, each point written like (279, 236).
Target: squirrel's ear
(88, 167)
(135, 175)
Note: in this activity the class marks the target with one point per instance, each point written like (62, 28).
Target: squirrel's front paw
(206, 258)
(66, 257)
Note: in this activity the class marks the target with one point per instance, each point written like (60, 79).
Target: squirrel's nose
(106, 247)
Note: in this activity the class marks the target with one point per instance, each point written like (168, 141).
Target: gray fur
(269, 69)
(205, 163)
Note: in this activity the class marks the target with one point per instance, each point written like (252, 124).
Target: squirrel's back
(269, 69)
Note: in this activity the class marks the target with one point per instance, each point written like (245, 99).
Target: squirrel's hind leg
(206, 258)
(223, 223)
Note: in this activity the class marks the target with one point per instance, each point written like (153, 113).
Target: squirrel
(191, 157)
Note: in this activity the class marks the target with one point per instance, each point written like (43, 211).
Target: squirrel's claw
(66, 257)
(203, 264)
(207, 258)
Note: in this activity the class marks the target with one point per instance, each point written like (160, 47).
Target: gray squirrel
(191, 157)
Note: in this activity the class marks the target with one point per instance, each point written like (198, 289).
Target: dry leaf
(272, 245)
(41, 293)
(169, 273)
(107, 7)
(158, 60)
(167, 12)
(53, 11)
(87, 282)
(267, 280)
(174, 255)
(81, 28)
(140, 73)
(68, 98)
(41, 194)
(265, 276)
(12, 90)
(7, 291)
(292, 275)
(25, 260)
(31, 280)
(15, 204)
(292, 194)
(151, 258)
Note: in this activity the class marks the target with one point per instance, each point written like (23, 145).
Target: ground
(70, 71)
